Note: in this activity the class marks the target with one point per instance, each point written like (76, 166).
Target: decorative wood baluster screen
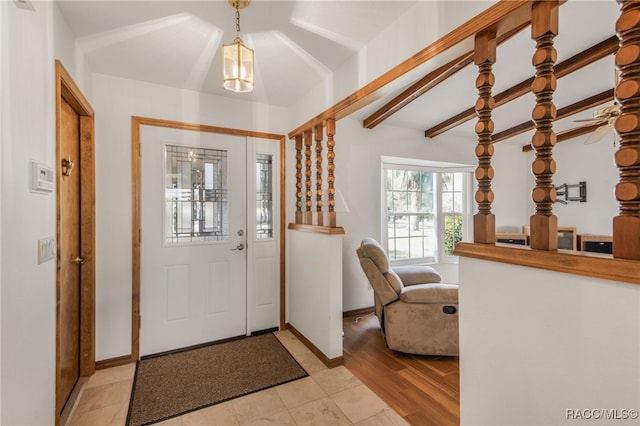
(484, 221)
(544, 27)
(298, 139)
(308, 216)
(316, 132)
(626, 226)
(318, 137)
(331, 191)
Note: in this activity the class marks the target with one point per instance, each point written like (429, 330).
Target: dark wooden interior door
(69, 258)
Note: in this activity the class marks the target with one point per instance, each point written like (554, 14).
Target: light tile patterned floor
(327, 397)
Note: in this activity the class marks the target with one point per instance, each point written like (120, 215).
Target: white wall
(595, 165)
(28, 294)
(115, 100)
(410, 33)
(452, 14)
(511, 187)
(64, 43)
(534, 343)
(315, 297)
(67, 52)
(4, 48)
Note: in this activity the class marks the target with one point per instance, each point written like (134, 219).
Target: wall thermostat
(42, 179)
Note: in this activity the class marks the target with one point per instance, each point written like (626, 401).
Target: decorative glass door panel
(264, 196)
(196, 195)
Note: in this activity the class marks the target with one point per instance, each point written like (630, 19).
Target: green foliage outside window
(452, 233)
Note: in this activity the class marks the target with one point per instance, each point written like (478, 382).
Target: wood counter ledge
(571, 262)
(316, 229)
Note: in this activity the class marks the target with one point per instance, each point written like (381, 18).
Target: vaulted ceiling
(178, 43)
(300, 43)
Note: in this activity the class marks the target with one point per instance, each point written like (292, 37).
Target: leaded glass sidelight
(196, 195)
(264, 196)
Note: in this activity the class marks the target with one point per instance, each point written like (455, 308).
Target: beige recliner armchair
(418, 314)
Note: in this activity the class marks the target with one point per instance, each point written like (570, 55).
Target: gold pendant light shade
(237, 59)
(237, 66)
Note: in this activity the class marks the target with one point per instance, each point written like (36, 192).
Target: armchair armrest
(417, 274)
(430, 293)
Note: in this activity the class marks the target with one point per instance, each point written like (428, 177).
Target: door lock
(79, 260)
(239, 247)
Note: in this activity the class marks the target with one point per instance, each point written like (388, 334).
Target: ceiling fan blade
(596, 120)
(599, 134)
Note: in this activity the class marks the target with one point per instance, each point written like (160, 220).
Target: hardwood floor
(424, 390)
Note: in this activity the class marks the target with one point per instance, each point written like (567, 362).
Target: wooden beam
(418, 89)
(428, 82)
(569, 110)
(574, 63)
(568, 134)
(505, 15)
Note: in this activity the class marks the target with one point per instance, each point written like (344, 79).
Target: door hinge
(139, 235)
(139, 321)
(139, 149)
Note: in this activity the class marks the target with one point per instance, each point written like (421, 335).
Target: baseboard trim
(358, 312)
(114, 362)
(73, 401)
(329, 362)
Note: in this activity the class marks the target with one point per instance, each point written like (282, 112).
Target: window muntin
(410, 214)
(196, 195)
(425, 212)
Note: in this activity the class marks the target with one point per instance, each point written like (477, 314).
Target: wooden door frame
(67, 89)
(136, 122)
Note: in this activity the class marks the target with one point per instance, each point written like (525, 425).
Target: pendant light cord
(237, 18)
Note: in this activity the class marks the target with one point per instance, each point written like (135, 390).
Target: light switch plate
(42, 179)
(46, 249)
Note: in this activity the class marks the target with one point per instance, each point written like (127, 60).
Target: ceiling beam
(574, 63)
(568, 134)
(430, 81)
(418, 89)
(505, 15)
(569, 110)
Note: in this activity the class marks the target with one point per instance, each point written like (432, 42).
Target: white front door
(193, 284)
(263, 278)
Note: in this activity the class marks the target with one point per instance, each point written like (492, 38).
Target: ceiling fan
(605, 118)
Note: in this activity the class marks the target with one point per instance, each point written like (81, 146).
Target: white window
(426, 210)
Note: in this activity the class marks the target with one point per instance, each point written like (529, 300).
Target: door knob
(239, 247)
(79, 260)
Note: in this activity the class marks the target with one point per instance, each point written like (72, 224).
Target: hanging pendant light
(237, 59)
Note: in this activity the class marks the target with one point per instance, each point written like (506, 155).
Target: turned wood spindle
(626, 226)
(318, 135)
(484, 222)
(308, 215)
(544, 27)
(331, 131)
(298, 178)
